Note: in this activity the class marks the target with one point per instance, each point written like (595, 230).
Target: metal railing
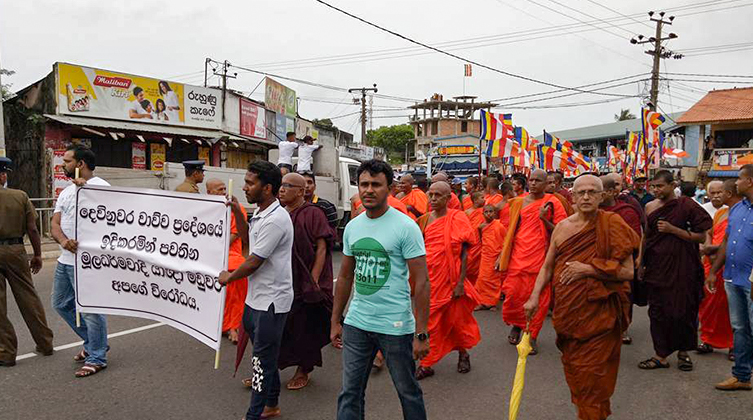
(44, 214)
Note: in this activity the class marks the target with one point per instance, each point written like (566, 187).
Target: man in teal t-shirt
(382, 249)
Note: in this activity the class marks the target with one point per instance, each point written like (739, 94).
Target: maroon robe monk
(590, 261)
(673, 272)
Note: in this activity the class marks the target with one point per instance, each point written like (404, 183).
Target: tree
(325, 122)
(392, 139)
(624, 114)
(5, 92)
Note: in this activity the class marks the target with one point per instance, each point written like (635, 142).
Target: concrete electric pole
(658, 53)
(363, 91)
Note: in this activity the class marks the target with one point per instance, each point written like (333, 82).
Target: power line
(457, 57)
(615, 11)
(591, 16)
(712, 81)
(563, 90)
(710, 75)
(578, 93)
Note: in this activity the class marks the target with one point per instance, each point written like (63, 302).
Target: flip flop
(89, 370)
(464, 363)
(424, 372)
(514, 337)
(297, 383)
(653, 363)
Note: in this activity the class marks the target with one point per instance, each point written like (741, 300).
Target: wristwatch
(422, 336)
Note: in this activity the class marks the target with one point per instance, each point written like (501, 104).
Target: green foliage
(392, 139)
(325, 122)
(5, 92)
(624, 114)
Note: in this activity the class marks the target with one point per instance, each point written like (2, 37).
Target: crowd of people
(421, 256)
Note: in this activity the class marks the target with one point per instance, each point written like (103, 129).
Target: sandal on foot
(627, 340)
(81, 356)
(704, 349)
(270, 412)
(653, 363)
(424, 372)
(378, 363)
(464, 363)
(89, 370)
(248, 382)
(297, 383)
(514, 337)
(731, 355)
(684, 363)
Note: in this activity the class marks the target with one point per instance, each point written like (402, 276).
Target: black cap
(5, 164)
(194, 164)
(640, 179)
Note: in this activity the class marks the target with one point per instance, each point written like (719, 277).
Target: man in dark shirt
(640, 193)
(309, 195)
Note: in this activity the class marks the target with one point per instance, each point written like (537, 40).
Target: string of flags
(513, 146)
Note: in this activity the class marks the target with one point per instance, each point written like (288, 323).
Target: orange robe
(489, 282)
(454, 203)
(590, 314)
(417, 199)
(451, 322)
(235, 297)
(523, 254)
(467, 202)
(504, 215)
(473, 260)
(493, 199)
(566, 204)
(713, 313)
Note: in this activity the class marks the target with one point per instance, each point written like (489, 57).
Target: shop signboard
(157, 152)
(731, 159)
(252, 119)
(138, 155)
(90, 92)
(280, 98)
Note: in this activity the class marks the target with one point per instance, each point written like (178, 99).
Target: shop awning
(723, 174)
(155, 128)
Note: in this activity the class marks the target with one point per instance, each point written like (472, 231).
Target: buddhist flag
(553, 141)
(468, 70)
(675, 153)
(504, 148)
(651, 121)
(495, 126)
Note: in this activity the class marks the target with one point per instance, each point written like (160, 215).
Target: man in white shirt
(93, 329)
(135, 109)
(269, 242)
(715, 190)
(305, 154)
(287, 148)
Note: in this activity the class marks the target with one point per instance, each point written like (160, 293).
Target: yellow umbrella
(524, 348)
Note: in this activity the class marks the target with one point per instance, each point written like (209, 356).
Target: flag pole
(78, 314)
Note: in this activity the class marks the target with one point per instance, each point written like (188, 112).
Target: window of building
(464, 127)
(112, 153)
(434, 127)
(353, 174)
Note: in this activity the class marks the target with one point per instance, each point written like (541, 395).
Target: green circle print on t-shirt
(372, 266)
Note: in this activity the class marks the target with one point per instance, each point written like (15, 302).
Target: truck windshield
(455, 165)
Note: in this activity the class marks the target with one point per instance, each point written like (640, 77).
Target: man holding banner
(93, 327)
(268, 236)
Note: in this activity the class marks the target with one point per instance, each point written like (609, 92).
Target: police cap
(194, 164)
(5, 164)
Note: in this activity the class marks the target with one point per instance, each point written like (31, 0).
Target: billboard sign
(253, 117)
(90, 92)
(280, 98)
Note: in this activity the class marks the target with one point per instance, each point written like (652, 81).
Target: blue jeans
(265, 330)
(359, 349)
(741, 318)
(93, 329)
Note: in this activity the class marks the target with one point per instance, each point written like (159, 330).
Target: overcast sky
(171, 39)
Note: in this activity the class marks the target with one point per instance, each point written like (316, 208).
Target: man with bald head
(307, 328)
(627, 198)
(414, 199)
(532, 219)
(713, 314)
(590, 263)
(714, 190)
(471, 186)
(235, 296)
(559, 188)
(448, 237)
(551, 188)
(454, 202)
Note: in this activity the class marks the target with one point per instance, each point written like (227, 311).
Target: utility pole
(224, 77)
(363, 91)
(658, 53)
(2, 123)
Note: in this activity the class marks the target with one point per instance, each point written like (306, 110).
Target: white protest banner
(153, 254)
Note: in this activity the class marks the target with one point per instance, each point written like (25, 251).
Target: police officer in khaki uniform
(194, 176)
(17, 218)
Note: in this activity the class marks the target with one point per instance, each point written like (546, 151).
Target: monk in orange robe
(454, 202)
(532, 219)
(493, 196)
(471, 186)
(475, 213)
(476, 217)
(489, 282)
(551, 188)
(590, 263)
(448, 236)
(235, 296)
(713, 314)
(414, 199)
(356, 207)
(506, 189)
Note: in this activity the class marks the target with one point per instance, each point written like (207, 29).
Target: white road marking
(79, 343)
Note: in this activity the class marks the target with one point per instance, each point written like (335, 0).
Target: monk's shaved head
(607, 182)
(407, 178)
(730, 186)
(441, 187)
(294, 179)
(538, 174)
(588, 180)
(439, 177)
(406, 183)
(215, 187)
(537, 183)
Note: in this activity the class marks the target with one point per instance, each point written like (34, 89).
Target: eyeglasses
(590, 193)
(286, 186)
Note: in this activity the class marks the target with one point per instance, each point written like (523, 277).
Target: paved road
(161, 373)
